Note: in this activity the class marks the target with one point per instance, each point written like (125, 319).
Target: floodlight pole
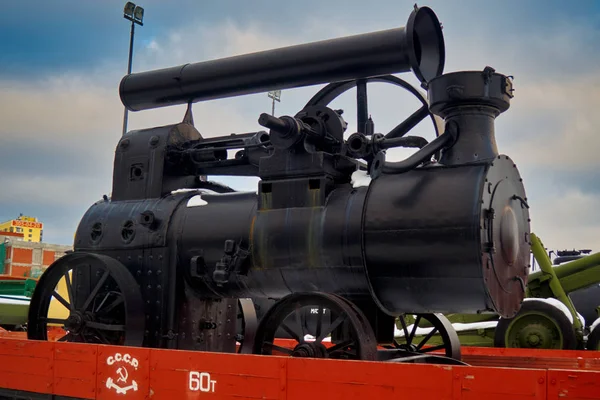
(276, 96)
(135, 14)
(129, 71)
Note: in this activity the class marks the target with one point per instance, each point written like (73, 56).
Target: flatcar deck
(32, 369)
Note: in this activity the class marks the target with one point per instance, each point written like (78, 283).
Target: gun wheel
(537, 325)
(92, 297)
(340, 332)
(426, 333)
(593, 340)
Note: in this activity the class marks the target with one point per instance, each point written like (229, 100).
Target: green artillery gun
(548, 318)
(15, 294)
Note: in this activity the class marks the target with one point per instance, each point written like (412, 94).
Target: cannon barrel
(576, 274)
(418, 46)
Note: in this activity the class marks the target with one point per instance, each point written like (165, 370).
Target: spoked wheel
(92, 297)
(426, 333)
(366, 143)
(538, 325)
(339, 333)
(248, 323)
(336, 89)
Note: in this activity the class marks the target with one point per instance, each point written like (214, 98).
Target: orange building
(27, 259)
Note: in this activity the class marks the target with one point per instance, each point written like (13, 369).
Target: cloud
(566, 111)
(567, 220)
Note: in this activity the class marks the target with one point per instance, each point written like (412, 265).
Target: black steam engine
(175, 260)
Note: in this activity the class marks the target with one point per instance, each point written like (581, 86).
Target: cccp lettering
(124, 358)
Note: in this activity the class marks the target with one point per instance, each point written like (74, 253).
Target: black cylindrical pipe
(418, 46)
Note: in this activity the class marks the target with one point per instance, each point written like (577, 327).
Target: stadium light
(135, 14)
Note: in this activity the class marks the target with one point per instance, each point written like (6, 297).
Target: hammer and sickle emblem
(123, 374)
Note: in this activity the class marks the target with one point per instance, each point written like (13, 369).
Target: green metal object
(2, 257)
(553, 282)
(569, 277)
(534, 330)
(538, 325)
(14, 301)
(13, 310)
(17, 287)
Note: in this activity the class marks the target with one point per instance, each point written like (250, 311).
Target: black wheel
(343, 323)
(248, 323)
(425, 333)
(357, 145)
(537, 325)
(94, 298)
(593, 340)
(336, 89)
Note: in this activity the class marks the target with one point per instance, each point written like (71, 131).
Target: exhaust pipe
(418, 47)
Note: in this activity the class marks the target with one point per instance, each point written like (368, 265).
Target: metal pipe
(580, 265)
(129, 71)
(444, 140)
(576, 274)
(417, 158)
(418, 46)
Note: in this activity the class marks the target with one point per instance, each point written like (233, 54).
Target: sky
(61, 116)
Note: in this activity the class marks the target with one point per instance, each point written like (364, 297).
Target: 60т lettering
(201, 381)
